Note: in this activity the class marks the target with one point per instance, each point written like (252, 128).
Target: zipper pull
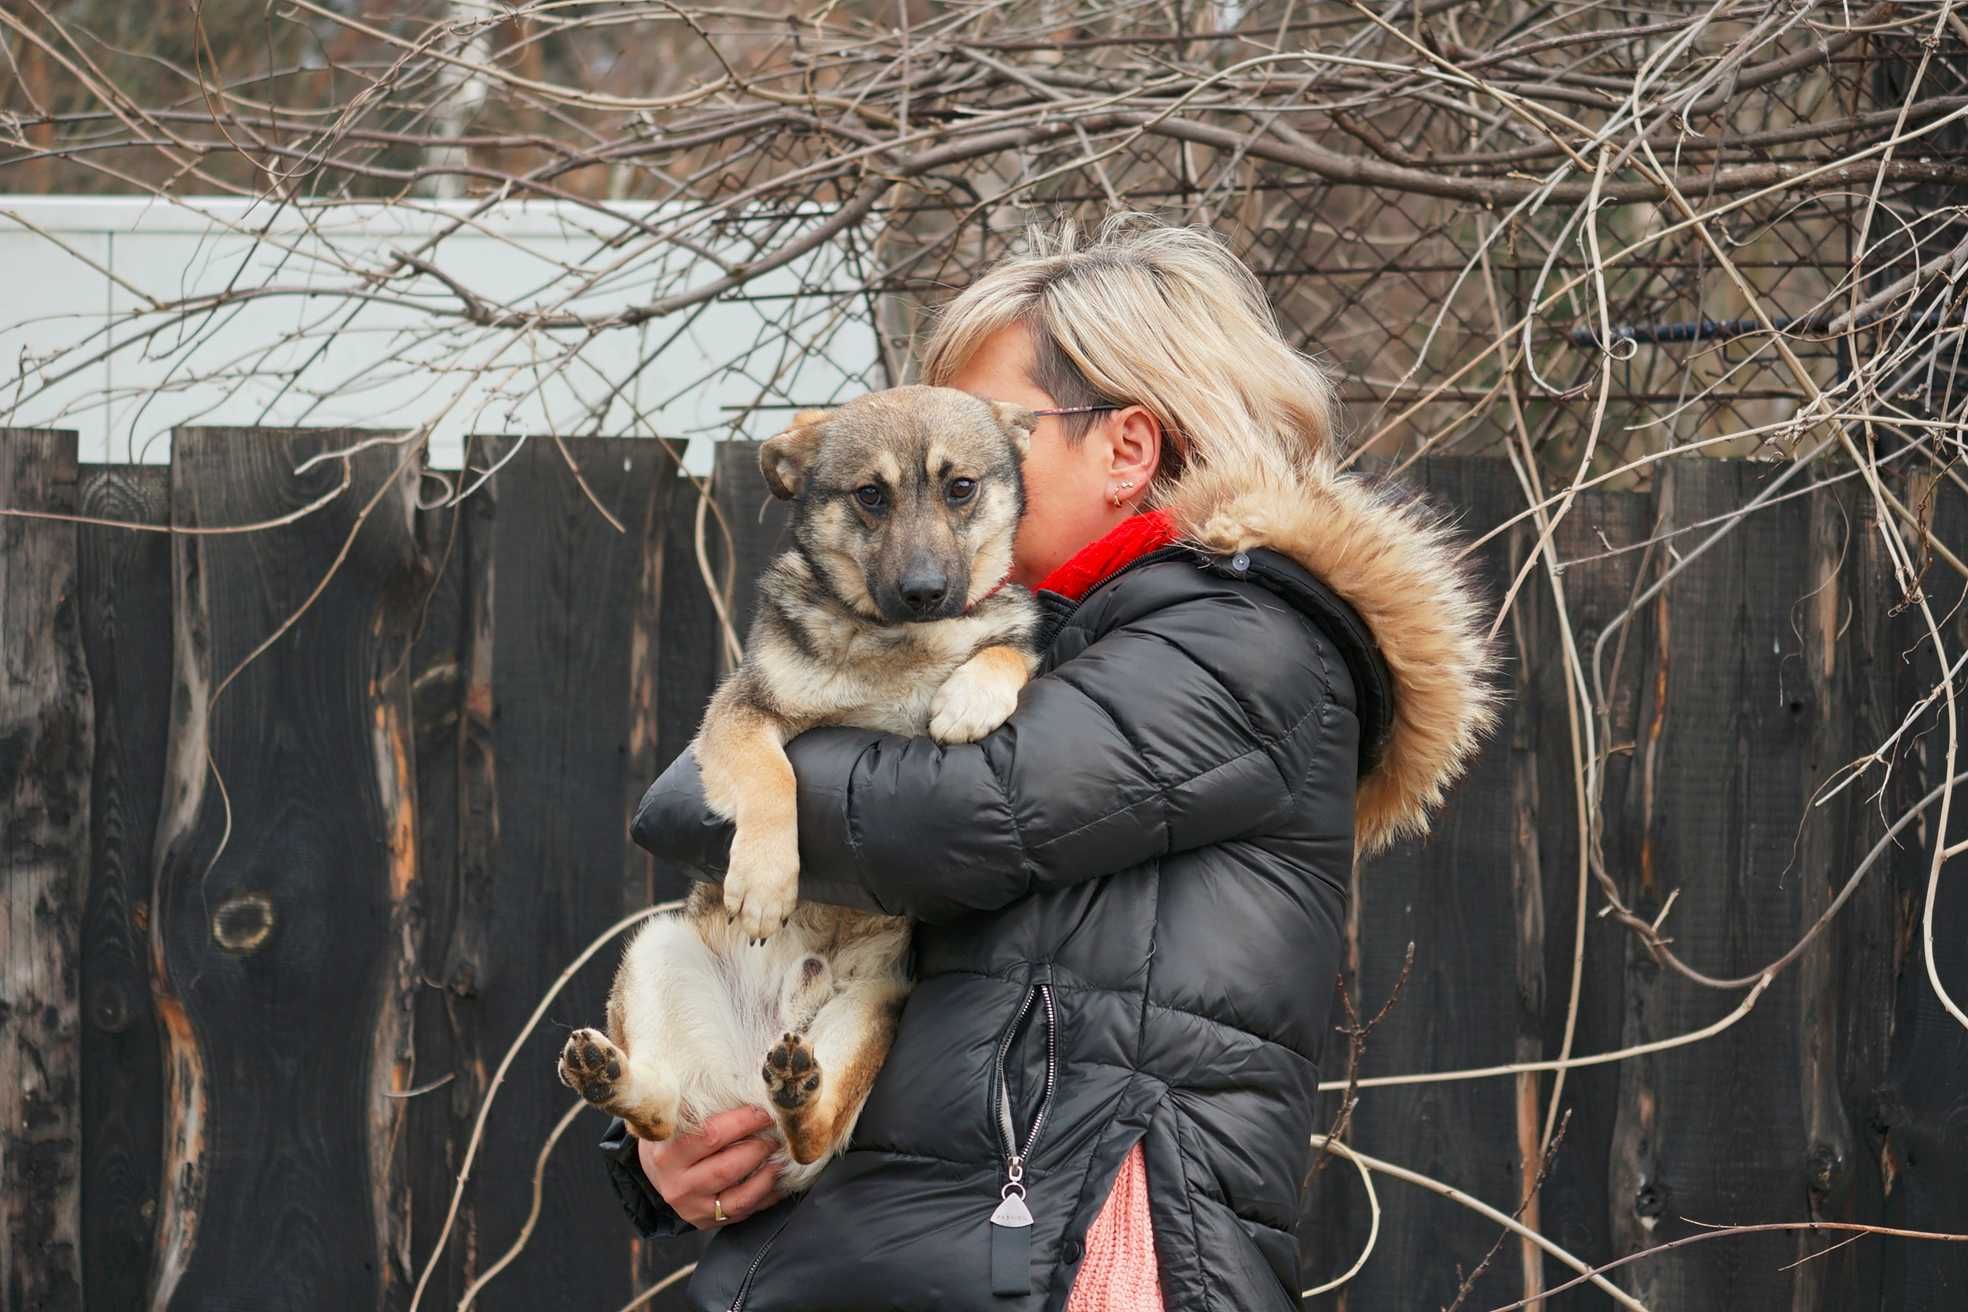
(1011, 1236)
(1012, 1213)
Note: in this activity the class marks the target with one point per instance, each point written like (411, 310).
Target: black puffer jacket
(1131, 901)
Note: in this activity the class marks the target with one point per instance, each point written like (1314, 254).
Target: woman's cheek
(1062, 510)
(1028, 550)
(1032, 545)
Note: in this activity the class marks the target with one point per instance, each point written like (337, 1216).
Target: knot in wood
(243, 924)
(1824, 1166)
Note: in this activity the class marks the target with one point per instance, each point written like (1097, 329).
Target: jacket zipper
(758, 1259)
(1011, 1224)
(1015, 1153)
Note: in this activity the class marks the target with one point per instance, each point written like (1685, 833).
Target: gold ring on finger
(717, 1210)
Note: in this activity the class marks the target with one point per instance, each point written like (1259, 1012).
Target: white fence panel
(125, 316)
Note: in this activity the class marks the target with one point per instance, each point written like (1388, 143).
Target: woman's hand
(721, 1163)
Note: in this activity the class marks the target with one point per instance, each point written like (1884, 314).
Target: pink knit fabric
(1118, 1273)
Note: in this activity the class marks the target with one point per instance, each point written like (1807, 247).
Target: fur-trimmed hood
(1394, 560)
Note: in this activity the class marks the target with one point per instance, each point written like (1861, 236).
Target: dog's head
(905, 501)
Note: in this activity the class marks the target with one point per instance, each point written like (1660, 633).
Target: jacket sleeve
(653, 1218)
(1187, 725)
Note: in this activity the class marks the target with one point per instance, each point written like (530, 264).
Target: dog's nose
(924, 590)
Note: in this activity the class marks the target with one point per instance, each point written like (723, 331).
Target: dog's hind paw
(599, 1071)
(792, 1075)
(592, 1066)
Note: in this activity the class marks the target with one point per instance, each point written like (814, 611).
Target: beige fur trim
(1395, 562)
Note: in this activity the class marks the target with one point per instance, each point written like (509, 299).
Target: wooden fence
(254, 1003)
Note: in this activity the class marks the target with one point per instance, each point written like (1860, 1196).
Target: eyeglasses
(1076, 410)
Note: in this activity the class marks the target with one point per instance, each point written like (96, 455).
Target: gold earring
(1120, 492)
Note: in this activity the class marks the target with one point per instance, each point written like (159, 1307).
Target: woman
(1130, 897)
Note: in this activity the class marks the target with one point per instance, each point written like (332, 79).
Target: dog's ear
(1017, 420)
(784, 458)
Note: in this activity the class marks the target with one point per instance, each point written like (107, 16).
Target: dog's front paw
(977, 698)
(792, 1075)
(762, 885)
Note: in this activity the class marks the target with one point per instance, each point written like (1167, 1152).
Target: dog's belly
(705, 1005)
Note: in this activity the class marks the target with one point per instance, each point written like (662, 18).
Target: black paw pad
(791, 1074)
(590, 1066)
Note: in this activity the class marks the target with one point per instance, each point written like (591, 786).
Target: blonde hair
(1165, 318)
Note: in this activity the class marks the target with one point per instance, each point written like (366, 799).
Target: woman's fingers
(727, 1167)
(721, 1163)
(720, 1131)
(759, 1190)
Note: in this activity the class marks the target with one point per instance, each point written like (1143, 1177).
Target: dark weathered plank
(284, 868)
(1450, 897)
(1919, 1112)
(1850, 662)
(1573, 1207)
(46, 740)
(125, 585)
(565, 590)
(1710, 807)
(450, 926)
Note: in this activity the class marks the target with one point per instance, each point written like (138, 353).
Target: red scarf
(1101, 559)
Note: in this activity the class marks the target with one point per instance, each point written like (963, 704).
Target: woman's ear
(785, 457)
(1135, 440)
(1018, 421)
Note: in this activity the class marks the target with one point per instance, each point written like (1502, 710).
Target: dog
(892, 611)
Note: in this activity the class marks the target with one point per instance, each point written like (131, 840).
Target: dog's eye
(870, 495)
(962, 489)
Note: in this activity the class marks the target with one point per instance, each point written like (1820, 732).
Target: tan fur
(751, 996)
(741, 751)
(1395, 563)
(1005, 663)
